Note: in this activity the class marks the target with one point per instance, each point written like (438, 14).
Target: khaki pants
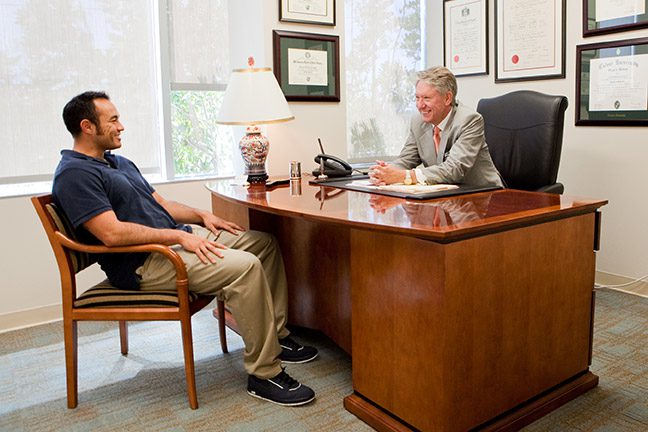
(252, 282)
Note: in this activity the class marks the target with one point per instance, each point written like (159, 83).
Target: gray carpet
(145, 391)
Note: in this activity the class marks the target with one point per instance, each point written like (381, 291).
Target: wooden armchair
(104, 302)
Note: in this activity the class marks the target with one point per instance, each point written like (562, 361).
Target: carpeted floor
(145, 391)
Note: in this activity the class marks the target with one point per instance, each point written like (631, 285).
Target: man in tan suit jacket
(462, 155)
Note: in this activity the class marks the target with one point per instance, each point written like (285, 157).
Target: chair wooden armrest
(170, 254)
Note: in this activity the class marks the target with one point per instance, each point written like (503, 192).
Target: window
(199, 64)
(165, 72)
(384, 50)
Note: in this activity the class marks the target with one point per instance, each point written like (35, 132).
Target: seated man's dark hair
(81, 107)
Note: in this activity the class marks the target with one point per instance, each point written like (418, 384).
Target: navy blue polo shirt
(85, 187)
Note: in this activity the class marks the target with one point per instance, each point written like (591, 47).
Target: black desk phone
(333, 166)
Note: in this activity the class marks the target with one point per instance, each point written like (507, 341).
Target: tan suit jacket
(463, 154)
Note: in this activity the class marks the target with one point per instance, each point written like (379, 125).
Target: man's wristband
(408, 177)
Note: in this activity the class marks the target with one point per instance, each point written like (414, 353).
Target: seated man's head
(92, 118)
(436, 89)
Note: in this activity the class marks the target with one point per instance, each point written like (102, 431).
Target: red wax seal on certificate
(456, 59)
(515, 59)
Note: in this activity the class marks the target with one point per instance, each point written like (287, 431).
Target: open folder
(414, 189)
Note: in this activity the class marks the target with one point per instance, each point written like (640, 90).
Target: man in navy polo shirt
(108, 201)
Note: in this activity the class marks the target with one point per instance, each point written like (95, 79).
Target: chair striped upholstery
(104, 294)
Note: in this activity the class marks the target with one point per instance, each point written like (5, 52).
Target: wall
(296, 139)
(600, 162)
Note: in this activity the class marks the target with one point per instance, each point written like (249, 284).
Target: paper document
(399, 187)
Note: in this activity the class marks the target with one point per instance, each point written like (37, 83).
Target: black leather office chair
(524, 131)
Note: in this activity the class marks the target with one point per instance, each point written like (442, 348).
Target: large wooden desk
(469, 312)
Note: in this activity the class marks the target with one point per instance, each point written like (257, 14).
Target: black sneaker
(282, 390)
(292, 352)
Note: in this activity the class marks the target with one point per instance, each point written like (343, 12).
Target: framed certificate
(530, 39)
(465, 36)
(307, 11)
(307, 65)
(609, 16)
(612, 83)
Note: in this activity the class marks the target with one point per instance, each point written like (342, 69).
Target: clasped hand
(383, 174)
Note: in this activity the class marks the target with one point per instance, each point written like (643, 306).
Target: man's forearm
(113, 232)
(132, 233)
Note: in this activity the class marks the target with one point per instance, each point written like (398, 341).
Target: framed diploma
(307, 65)
(612, 83)
(465, 36)
(609, 16)
(529, 39)
(307, 11)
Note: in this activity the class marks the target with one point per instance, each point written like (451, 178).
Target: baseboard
(612, 281)
(30, 317)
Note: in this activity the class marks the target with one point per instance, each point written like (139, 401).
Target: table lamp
(253, 97)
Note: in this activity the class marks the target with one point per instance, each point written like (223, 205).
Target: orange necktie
(437, 138)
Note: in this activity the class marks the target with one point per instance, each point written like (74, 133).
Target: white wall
(599, 162)
(296, 139)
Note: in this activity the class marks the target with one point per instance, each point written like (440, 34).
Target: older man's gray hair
(440, 78)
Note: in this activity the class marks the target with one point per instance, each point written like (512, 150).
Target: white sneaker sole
(299, 361)
(289, 404)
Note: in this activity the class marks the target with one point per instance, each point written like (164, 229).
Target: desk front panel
(448, 336)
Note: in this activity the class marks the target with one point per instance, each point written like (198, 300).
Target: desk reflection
(437, 214)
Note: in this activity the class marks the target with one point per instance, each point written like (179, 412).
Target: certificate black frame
(282, 40)
(305, 19)
(631, 22)
(484, 47)
(561, 59)
(584, 55)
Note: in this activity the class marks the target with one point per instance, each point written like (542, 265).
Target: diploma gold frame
(307, 11)
(465, 36)
(612, 83)
(529, 40)
(307, 65)
(611, 16)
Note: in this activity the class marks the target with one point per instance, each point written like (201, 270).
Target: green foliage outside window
(383, 54)
(200, 146)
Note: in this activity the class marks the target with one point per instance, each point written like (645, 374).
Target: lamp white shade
(253, 96)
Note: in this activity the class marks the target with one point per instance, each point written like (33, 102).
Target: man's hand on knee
(206, 250)
(214, 224)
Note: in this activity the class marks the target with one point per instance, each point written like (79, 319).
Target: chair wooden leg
(71, 360)
(221, 325)
(190, 373)
(123, 336)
